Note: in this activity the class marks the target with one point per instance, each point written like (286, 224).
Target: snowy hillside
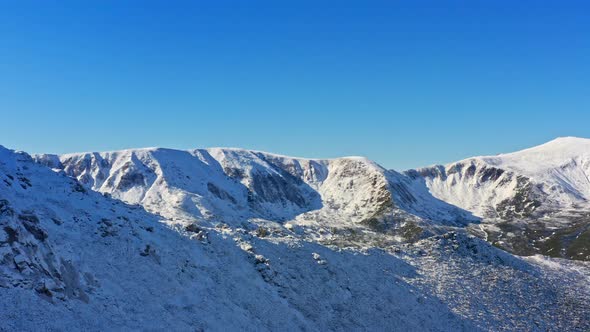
(72, 258)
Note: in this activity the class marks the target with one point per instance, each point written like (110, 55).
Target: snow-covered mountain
(72, 258)
(528, 202)
(551, 177)
(238, 184)
(532, 201)
(234, 185)
(547, 186)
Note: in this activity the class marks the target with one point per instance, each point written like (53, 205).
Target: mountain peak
(568, 140)
(558, 149)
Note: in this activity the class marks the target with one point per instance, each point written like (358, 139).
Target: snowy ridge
(553, 176)
(535, 201)
(232, 185)
(480, 188)
(563, 165)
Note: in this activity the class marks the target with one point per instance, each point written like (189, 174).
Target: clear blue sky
(406, 83)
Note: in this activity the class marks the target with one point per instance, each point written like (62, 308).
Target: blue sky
(405, 83)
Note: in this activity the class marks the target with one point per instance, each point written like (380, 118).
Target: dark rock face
(431, 172)
(77, 187)
(483, 173)
(36, 231)
(11, 233)
(234, 172)
(29, 217)
(527, 197)
(524, 202)
(490, 173)
(530, 237)
(80, 169)
(381, 219)
(272, 181)
(470, 171)
(5, 208)
(25, 250)
(456, 168)
(303, 170)
(49, 160)
(403, 193)
(192, 228)
(220, 193)
(275, 189)
(130, 179)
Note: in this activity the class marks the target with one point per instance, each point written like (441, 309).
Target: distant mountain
(233, 186)
(551, 177)
(534, 201)
(528, 202)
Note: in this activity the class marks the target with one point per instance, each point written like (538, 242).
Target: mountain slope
(97, 263)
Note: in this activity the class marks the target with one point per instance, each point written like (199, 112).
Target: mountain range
(220, 238)
(516, 200)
